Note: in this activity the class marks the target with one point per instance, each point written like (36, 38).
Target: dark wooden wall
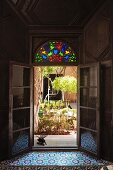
(97, 33)
(13, 37)
(97, 46)
(17, 45)
(106, 111)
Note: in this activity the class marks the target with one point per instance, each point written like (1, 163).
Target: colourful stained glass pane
(55, 51)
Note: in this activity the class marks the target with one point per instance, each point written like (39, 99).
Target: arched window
(55, 52)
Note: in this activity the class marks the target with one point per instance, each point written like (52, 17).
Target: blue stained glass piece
(44, 56)
(55, 51)
(65, 46)
(63, 49)
(66, 57)
(65, 60)
(48, 50)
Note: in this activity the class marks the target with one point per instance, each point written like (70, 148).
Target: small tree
(65, 84)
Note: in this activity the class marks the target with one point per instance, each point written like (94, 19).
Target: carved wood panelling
(14, 1)
(12, 37)
(97, 39)
(55, 12)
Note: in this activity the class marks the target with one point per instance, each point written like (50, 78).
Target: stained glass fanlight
(55, 52)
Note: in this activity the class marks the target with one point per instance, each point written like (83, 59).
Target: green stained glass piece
(60, 53)
(37, 56)
(52, 45)
(50, 53)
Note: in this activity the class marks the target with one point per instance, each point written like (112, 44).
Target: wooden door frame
(54, 148)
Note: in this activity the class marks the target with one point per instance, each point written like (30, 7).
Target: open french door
(88, 109)
(20, 108)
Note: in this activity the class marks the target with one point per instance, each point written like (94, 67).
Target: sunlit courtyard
(55, 109)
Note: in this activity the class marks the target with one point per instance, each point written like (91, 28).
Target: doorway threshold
(55, 148)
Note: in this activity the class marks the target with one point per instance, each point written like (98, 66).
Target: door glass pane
(84, 97)
(88, 97)
(20, 141)
(88, 141)
(21, 97)
(92, 97)
(21, 118)
(21, 76)
(88, 118)
(84, 76)
(88, 76)
(93, 76)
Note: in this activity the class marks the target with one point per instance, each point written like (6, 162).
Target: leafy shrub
(65, 84)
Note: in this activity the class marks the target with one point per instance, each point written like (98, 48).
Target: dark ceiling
(55, 12)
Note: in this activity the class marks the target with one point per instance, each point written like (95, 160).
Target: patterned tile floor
(54, 159)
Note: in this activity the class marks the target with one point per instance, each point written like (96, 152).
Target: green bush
(65, 84)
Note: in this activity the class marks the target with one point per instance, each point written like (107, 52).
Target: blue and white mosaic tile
(54, 159)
